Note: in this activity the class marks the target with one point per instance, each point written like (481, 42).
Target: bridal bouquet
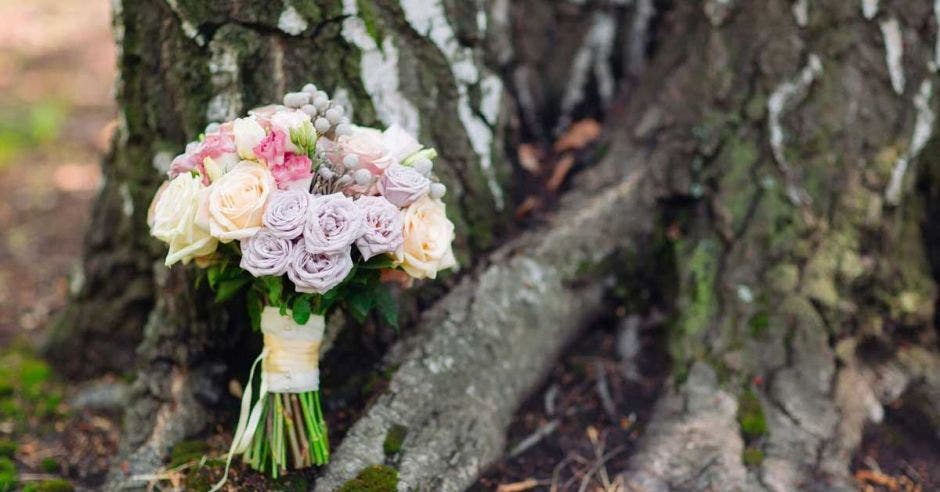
(303, 212)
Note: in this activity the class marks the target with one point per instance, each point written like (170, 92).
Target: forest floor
(57, 115)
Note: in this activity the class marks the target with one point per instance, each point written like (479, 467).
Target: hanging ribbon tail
(247, 421)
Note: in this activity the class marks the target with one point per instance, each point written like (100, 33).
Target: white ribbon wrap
(289, 364)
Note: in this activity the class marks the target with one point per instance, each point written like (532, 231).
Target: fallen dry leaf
(530, 204)
(578, 135)
(529, 159)
(528, 484)
(562, 168)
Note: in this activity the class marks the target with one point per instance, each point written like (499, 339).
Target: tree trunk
(788, 145)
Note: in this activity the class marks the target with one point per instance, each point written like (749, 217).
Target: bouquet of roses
(307, 212)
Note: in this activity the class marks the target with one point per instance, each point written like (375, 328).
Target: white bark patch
(127, 202)
(226, 104)
(341, 97)
(780, 99)
(188, 27)
(923, 128)
(379, 73)
(593, 54)
(717, 11)
(428, 18)
(639, 30)
(869, 8)
(801, 12)
(936, 52)
(894, 51)
(291, 21)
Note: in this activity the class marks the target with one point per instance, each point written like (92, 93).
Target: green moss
(376, 478)
(751, 415)
(758, 323)
(29, 394)
(394, 439)
(187, 451)
(702, 267)
(7, 448)
(752, 456)
(371, 19)
(7, 475)
(49, 465)
(53, 485)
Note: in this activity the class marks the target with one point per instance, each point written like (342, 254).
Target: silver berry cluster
(327, 115)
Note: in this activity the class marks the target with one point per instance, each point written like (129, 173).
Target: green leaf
(255, 306)
(301, 309)
(360, 303)
(273, 288)
(387, 305)
(212, 275)
(229, 287)
(378, 262)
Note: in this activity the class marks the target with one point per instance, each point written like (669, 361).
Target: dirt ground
(57, 115)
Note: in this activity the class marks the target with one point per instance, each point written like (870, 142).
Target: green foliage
(28, 394)
(758, 323)
(394, 439)
(49, 465)
(751, 415)
(8, 475)
(752, 456)
(26, 128)
(7, 448)
(300, 309)
(53, 485)
(375, 478)
(187, 451)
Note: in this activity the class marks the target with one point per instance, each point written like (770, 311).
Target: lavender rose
(318, 272)
(403, 185)
(383, 227)
(334, 222)
(265, 253)
(286, 214)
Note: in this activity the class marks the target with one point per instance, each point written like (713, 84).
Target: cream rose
(428, 235)
(173, 220)
(234, 205)
(248, 134)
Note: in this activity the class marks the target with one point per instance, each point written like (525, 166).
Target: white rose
(173, 220)
(233, 206)
(428, 235)
(248, 134)
(400, 143)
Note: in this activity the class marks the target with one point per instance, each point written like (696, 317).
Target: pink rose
(218, 145)
(296, 167)
(403, 185)
(272, 148)
(367, 145)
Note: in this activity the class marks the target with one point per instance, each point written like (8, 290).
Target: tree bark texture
(790, 145)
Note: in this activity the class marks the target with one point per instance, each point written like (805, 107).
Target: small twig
(550, 396)
(598, 465)
(603, 390)
(534, 438)
(527, 484)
